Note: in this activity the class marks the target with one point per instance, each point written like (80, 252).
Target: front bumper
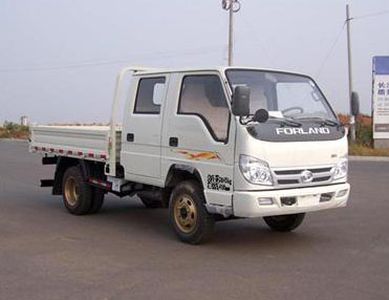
(247, 204)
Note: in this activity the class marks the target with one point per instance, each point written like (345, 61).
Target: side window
(203, 96)
(150, 95)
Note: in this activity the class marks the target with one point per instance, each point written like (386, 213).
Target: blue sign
(381, 97)
(381, 65)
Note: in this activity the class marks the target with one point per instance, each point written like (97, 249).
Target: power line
(60, 67)
(330, 51)
(379, 13)
(340, 34)
(260, 42)
(87, 64)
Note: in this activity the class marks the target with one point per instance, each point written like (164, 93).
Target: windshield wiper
(286, 121)
(283, 120)
(322, 121)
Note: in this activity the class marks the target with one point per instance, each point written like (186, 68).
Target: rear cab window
(150, 94)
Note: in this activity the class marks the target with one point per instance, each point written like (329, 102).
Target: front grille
(288, 181)
(319, 179)
(288, 172)
(321, 170)
(298, 171)
(292, 177)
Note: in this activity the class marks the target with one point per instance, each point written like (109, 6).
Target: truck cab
(223, 143)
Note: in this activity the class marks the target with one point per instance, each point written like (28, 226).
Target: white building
(24, 121)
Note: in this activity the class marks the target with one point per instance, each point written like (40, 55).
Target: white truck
(209, 144)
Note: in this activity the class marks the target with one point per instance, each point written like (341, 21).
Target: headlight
(340, 170)
(255, 171)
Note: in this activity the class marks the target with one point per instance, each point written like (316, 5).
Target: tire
(77, 194)
(284, 223)
(188, 216)
(97, 201)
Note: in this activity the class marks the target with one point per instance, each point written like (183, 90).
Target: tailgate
(87, 142)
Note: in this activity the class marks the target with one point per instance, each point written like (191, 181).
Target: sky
(59, 59)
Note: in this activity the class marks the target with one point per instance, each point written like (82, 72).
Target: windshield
(282, 94)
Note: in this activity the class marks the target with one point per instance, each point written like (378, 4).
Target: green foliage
(361, 150)
(364, 134)
(10, 126)
(13, 130)
(364, 139)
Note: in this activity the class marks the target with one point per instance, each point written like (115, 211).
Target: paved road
(129, 252)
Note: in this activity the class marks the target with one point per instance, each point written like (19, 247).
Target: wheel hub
(185, 214)
(71, 191)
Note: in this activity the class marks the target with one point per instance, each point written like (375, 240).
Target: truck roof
(221, 69)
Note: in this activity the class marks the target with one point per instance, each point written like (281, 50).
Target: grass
(364, 137)
(14, 131)
(362, 150)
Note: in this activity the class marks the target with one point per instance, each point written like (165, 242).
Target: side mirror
(354, 103)
(241, 101)
(261, 116)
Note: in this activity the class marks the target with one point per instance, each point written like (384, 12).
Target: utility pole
(232, 6)
(350, 78)
(231, 37)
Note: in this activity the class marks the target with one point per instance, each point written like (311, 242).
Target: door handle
(130, 137)
(173, 142)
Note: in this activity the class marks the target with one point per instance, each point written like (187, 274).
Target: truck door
(200, 132)
(142, 127)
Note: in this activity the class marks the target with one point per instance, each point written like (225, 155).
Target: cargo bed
(84, 142)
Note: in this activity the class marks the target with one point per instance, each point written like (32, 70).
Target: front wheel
(189, 218)
(285, 222)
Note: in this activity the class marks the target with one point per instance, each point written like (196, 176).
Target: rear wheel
(284, 223)
(77, 194)
(97, 201)
(189, 218)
